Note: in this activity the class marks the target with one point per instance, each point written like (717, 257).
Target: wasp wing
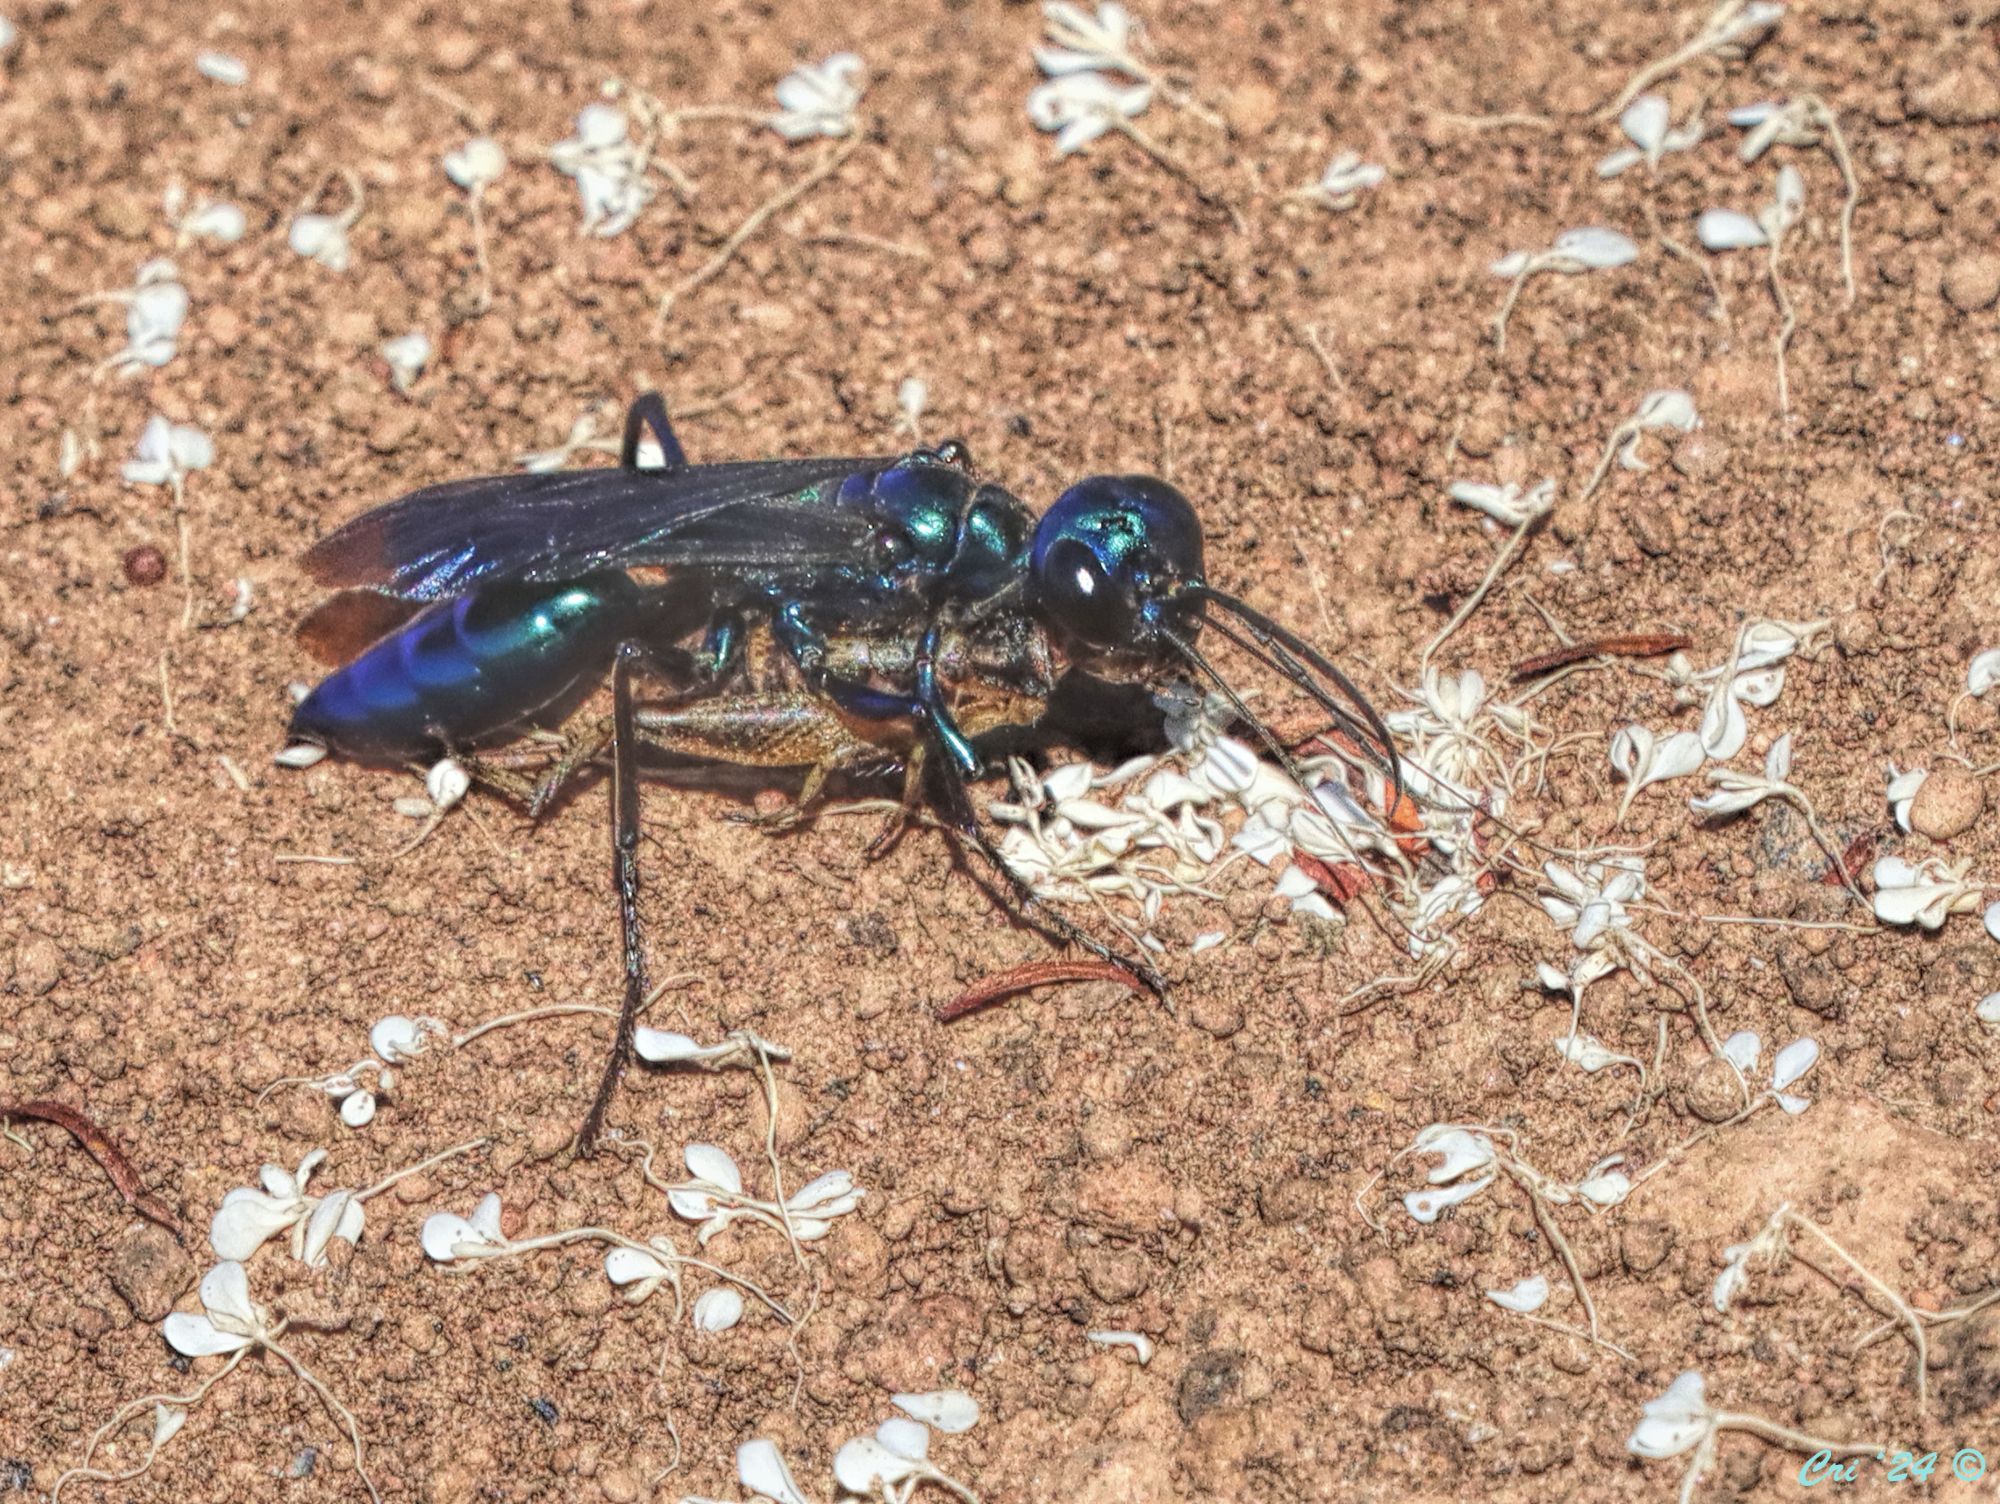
(443, 540)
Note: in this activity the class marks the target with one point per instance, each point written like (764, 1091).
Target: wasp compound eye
(1112, 556)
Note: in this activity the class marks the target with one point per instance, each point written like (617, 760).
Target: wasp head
(1115, 563)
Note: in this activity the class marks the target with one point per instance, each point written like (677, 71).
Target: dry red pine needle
(1637, 645)
(110, 1158)
(1035, 974)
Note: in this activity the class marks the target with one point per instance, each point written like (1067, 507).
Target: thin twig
(829, 163)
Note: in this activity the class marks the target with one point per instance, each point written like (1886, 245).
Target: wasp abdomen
(466, 671)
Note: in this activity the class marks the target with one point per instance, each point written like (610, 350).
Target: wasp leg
(1017, 895)
(625, 875)
(650, 411)
(930, 697)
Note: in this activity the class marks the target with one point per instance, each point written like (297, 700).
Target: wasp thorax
(1113, 561)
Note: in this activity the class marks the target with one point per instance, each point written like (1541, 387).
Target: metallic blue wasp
(474, 609)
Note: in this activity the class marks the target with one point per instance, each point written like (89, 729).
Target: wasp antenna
(1286, 648)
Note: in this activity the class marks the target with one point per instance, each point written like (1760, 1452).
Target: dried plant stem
(1711, 35)
(1545, 1219)
(1785, 1436)
(1507, 307)
(618, 1240)
(417, 1169)
(1837, 145)
(564, 1010)
(828, 164)
(1173, 164)
(1895, 1302)
(1787, 322)
(1576, 1331)
(479, 259)
(122, 1417)
(1310, 334)
(1700, 263)
(1508, 553)
(333, 1406)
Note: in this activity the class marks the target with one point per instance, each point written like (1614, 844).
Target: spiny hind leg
(906, 807)
(769, 731)
(530, 777)
(794, 812)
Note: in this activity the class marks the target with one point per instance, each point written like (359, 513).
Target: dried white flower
(1590, 904)
(1530, 1294)
(1087, 43)
(1736, 792)
(230, 1319)
(1080, 107)
(1591, 248)
(406, 356)
(322, 238)
(1647, 123)
(167, 453)
(1641, 760)
(448, 1237)
(1508, 504)
(1676, 1422)
(1346, 178)
(1925, 893)
(820, 99)
(476, 165)
(609, 170)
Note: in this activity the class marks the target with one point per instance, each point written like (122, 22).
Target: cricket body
(914, 610)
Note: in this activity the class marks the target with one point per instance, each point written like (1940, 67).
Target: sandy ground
(1079, 1159)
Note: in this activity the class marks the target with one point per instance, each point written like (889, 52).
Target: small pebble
(1715, 1094)
(1972, 281)
(145, 565)
(1946, 804)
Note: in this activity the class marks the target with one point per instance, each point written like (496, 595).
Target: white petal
(396, 1038)
(1793, 1061)
(1992, 920)
(1988, 1011)
(835, 1185)
(712, 1164)
(1728, 230)
(1790, 198)
(486, 1218)
(1983, 672)
(946, 1410)
(1893, 872)
(695, 1206)
(223, 222)
(225, 1294)
(1723, 727)
(1596, 247)
(444, 1232)
(627, 1266)
(167, 1423)
(906, 1438)
(1760, 688)
(1668, 408)
(1139, 1342)
(1426, 1205)
(195, 1337)
(1645, 120)
(357, 1109)
(339, 1215)
(1607, 1187)
(1621, 160)
(1741, 1050)
(247, 1220)
(761, 1468)
(717, 1310)
(864, 1466)
(1530, 1294)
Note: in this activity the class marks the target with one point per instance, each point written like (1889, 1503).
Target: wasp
(920, 612)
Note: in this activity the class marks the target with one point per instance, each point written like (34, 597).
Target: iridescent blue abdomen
(466, 671)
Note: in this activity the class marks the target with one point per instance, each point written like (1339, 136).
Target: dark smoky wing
(443, 540)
